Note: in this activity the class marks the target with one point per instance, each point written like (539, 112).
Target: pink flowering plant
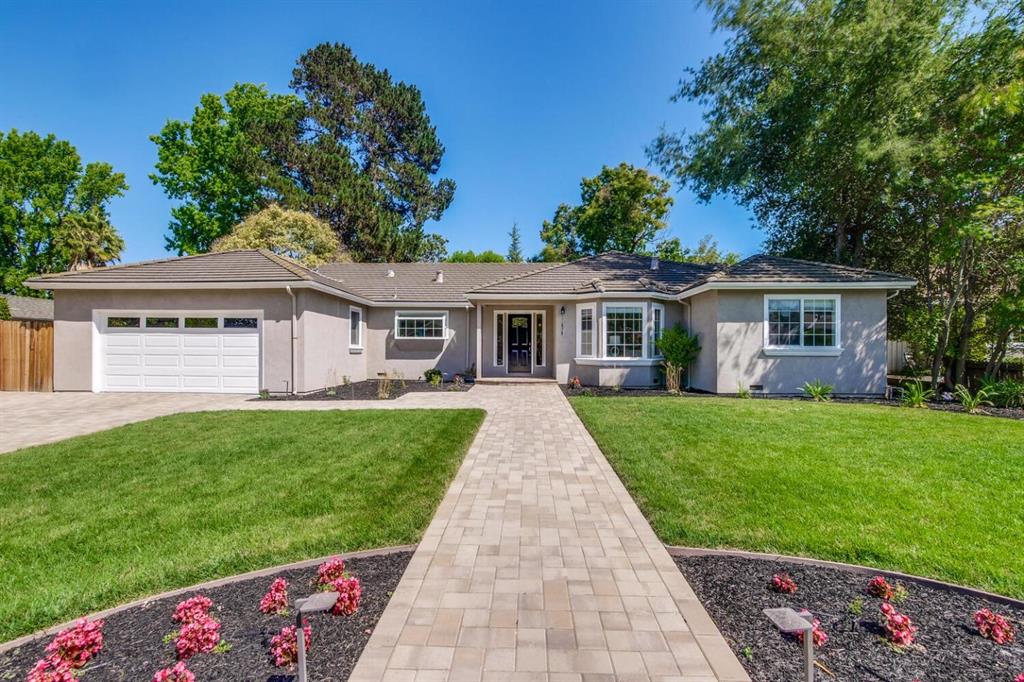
(349, 592)
(818, 636)
(1019, 678)
(329, 571)
(176, 673)
(783, 583)
(50, 669)
(192, 609)
(76, 645)
(899, 629)
(276, 599)
(993, 626)
(284, 646)
(199, 636)
(880, 587)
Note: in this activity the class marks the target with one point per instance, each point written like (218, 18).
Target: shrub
(818, 636)
(742, 391)
(329, 571)
(433, 377)
(993, 626)
(192, 609)
(1005, 393)
(971, 403)
(817, 391)
(284, 646)
(898, 627)
(383, 387)
(199, 636)
(575, 384)
(457, 383)
(176, 673)
(880, 587)
(276, 598)
(349, 592)
(76, 645)
(5, 310)
(916, 395)
(679, 349)
(50, 670)
(783, 583)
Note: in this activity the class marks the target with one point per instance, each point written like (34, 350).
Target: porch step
(515, 380)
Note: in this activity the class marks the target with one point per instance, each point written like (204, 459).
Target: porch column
(479, 340)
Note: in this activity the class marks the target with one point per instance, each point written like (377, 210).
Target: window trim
(801, 349)
(642, 305)
(359, 329)
(494, 334)
(652, 350)
(594, 327)
(534, 314)
(422, 315)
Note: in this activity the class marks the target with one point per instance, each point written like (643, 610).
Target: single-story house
(28, 308)
(243, 321)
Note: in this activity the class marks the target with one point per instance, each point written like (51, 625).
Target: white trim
(709, 286)
(594, 329)
(802, 349)
(652, 349)
(533, 338)
(586, 295)
(422, 315)
(359, 344)
(642, 305)
(494, 340)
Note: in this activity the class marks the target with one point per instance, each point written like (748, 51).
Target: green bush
(5, 310)
(916, 395)
(1005, 392)
(679, 349)
(816, 390)
(971, 403)
(433, 377)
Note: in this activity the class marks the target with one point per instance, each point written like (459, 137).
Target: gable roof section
(29, 308)
(416, 282)
(610, 272)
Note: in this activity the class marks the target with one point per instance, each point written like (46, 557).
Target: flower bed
(139, 642)
(370, 390)
(919, 633)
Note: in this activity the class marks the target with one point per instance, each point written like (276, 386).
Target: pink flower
(200, 636)
(276, 598)
(1019, 678)
(284, 647)
(79, 643)
(783, 583)
(880, 587)
(993, 626)
(329, 571)
(177, 673)
(191, 609)
(818, 636)
(898, 627)
(349, 592)
(50, 669)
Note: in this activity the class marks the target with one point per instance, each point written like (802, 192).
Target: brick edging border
(210, 584)
(849, 568)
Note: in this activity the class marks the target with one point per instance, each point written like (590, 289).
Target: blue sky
(527, 97)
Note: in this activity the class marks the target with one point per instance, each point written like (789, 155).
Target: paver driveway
(539, 566)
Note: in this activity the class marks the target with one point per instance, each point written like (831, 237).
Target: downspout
(292, 340)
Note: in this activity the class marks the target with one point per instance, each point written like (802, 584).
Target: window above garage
(193, 322)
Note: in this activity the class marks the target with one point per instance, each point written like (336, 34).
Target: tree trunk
(963, 343)
(995, 361)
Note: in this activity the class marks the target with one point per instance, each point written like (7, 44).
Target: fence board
(26, 355)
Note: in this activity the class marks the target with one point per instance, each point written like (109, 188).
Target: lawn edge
(209, 584)
(678, 551)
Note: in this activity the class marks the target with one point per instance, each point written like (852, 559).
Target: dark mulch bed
(945, 406)
(735, 590)
(133, 647)
(367, 390)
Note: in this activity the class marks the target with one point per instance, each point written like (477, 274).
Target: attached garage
(179, 352)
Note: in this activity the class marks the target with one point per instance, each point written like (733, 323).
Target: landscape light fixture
(316, 603)
(790, 622)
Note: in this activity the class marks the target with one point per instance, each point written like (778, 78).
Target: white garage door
(199, 352)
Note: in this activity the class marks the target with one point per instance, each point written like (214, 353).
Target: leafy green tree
(43, 185)
(5, 310)
(679, 349)
(353, 147)
(87, 240)
(515, 246)
(560, 236)
(471, 257)
(297, 235)
(706, 252)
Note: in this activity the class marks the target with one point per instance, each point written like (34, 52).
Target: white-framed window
(802, 322)
(657, 328)
(355, 327)
(624, 330)
(585, 318)
(499, 339)
(421, 325)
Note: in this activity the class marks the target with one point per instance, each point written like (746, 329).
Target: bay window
(585, 330)
(624, 331)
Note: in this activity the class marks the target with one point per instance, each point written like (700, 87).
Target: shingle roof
(417, 281)
(762, 268)
(29, 308)
(607, 272)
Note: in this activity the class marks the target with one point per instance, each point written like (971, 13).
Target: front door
(519, 343)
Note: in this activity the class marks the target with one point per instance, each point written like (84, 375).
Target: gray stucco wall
(411, 357)
(323, 355)
(704, 323)
(741, 360)
(73, 327)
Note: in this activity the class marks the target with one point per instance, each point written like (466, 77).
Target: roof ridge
(152, 261)
(841, 266)
(520, 275)
(288, 264)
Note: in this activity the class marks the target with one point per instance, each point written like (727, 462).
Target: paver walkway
(539, 566)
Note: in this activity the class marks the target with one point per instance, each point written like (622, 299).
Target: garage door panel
(126, 381)
(201, 340)
(161, 340)
(161, 381)
(122, 360)
(192, 360)
(124, 340)
(200, 383)
(236, 361)
(241, 383)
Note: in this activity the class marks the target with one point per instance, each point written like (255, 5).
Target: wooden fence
(896, 355)
(26, 356)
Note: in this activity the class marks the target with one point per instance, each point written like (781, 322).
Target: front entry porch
(515, 342)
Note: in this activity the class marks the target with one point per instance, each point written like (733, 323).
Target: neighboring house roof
(610, 272)
(418, 281)
(29, 308)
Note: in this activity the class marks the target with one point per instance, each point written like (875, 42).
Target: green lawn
(95, 521)
(931, 493)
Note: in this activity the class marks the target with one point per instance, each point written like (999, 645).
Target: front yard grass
(98, 520)
(930, 493)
